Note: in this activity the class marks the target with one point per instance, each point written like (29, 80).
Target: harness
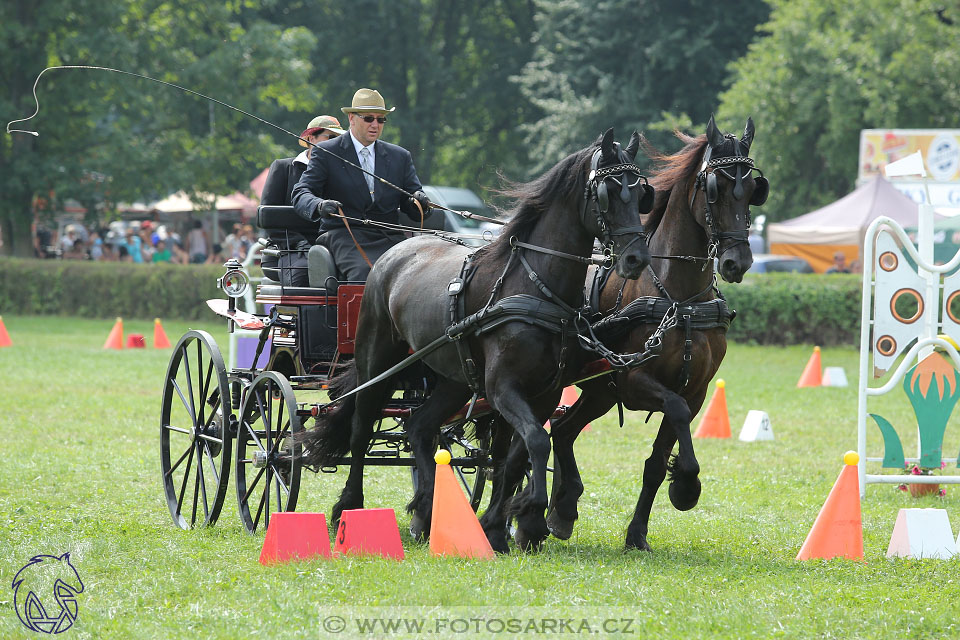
(550, 312)
(707, 181)
(692, 315)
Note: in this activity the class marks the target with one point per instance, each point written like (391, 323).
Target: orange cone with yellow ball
(454, 528)
(160, 340)
(716, 421)
(838, 529)
(115, 339)
(812, 375)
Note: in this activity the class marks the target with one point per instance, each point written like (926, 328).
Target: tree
(107, 137)
(445, 65)
(824, 70)
(630, 64)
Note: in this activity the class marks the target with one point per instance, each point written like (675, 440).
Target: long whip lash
(464, 214)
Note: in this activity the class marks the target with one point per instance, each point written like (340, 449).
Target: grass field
(81, 474)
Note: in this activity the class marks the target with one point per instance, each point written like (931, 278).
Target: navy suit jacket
(327, 177)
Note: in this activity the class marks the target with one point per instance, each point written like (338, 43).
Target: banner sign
(941, 155)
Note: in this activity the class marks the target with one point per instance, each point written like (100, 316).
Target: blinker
(603, 199)
(712, 188)
(760, 192)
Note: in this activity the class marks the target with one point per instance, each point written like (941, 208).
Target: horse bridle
(596, 198)
(707, 181)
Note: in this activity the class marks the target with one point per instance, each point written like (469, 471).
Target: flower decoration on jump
(933, 388)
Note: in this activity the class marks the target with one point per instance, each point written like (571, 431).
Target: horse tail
(329, 439)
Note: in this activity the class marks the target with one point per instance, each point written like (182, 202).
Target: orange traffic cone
(838, 529)
(716, 421)
(4, 336)
(454, 529)
(115, 339)
(812, 376)
(159, 336)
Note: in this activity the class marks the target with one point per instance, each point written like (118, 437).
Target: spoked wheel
(195, 425)
(268, 461)
(470, 459)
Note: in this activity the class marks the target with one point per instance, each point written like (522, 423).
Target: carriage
(245, 421)
(532, 343)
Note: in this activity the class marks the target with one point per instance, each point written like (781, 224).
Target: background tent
(840, 226)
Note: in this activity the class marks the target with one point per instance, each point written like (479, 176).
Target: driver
(330, 185)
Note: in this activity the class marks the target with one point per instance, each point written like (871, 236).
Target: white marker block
(834, 377)
(922, 533)
(756, 427)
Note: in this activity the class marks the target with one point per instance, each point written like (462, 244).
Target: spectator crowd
(144, 243)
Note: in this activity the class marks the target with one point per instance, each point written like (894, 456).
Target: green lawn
(81, 474)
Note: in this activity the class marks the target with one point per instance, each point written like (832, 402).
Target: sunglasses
(370, 119)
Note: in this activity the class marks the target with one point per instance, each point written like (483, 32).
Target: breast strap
(713, 314)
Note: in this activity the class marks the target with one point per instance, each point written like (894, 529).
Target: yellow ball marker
(851, 458)
(442, 456)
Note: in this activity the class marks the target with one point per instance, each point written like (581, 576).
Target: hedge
(107, 289)
(793, 308)
(771, 308)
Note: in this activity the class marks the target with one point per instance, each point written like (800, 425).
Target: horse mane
(565, 181)
(671, 171)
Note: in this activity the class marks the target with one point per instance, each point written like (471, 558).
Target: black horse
(701, 212)
(525, 288)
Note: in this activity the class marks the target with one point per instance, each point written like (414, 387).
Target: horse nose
(730, 270)
(636, 260)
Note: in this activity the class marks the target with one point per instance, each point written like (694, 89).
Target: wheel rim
(268, 460)
(195, 438)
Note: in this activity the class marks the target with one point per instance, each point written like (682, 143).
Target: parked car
(769, 263)
(458, 199)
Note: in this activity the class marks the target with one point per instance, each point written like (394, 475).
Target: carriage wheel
(195, 438)
(472, 478)
(268, 461)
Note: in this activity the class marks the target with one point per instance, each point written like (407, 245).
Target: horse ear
(714, 137)
(633, 147)
(606, 144)
(747, 138)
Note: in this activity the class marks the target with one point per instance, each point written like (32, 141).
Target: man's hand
(327, 209)
(421, 198)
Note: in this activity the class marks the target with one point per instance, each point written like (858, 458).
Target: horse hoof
(684, 495)
(526, 543)
(637, 542)
(639, 546)
(559, 527)
(419, 528)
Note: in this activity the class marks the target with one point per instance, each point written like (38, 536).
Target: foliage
(107, 289)
(107, 138)
(629, 64)
(445, 65)
(796, 308)
(824, 70)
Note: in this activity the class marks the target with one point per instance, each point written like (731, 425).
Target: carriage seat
(320, 265)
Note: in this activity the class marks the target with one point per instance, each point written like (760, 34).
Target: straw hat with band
(367, 101)
(320, 123)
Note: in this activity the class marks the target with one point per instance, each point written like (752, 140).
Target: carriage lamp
(234, 282)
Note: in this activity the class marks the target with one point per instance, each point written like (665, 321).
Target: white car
(458, 199)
